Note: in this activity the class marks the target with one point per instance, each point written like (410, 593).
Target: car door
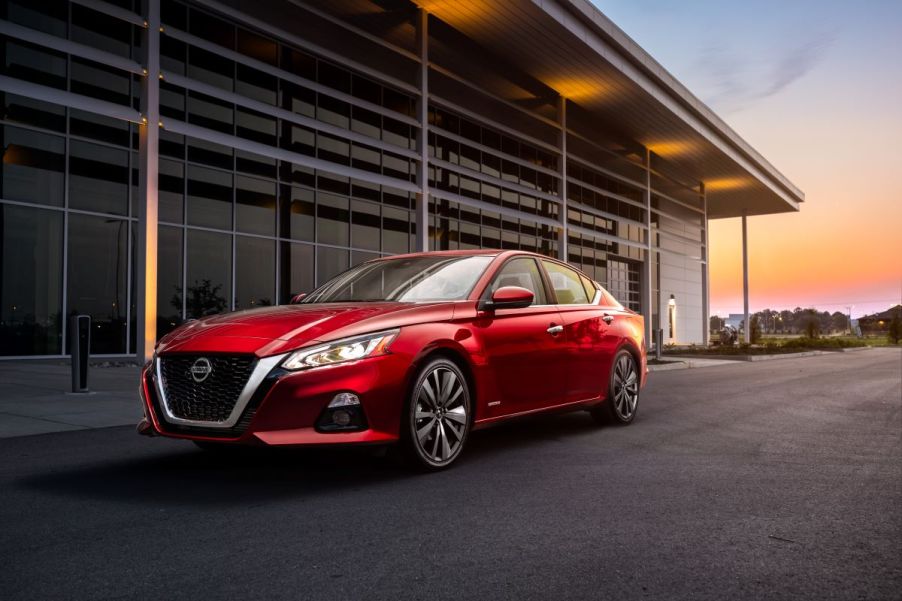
(589, 332)
(523, 347)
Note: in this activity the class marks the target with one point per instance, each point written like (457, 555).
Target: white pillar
(706, 276)
(745, 278)
(148, 167)
(563, 254)
(422, 204)
(649, 256)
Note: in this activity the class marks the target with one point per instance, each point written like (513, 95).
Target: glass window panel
(329, 263)
(32, 167)
(30, 299)
(209, 273)
(100, 81)
(210, 112)
(333, 76)
(333, 111)
(255, 164)
(333, 218)
(169, 279)
(395, 166)
(206, 26)
(298, 63)
(172, 145)
(258, 47)
(297, 174)
(97, 278)
(297, 213)
(257, 85)
(366, 158)
(366, 122)
(298, 139)
(33, 63)
(173, 54)
(255, 272)
(296, 264)
(397, 101)
(98, 178)
(333, 149)
(365, 222)
(100, 30)
(172, 101)
(297, 99)
(256, 206)
(209, 198)
(19, 109)
(49, 17)
(171, 191)
(98, 127)
(210, 68)
(211, 154)
(256, 126)
(397, 133)
(395, 230)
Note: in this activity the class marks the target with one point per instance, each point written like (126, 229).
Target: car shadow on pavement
(182, 475)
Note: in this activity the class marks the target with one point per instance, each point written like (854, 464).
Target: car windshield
(409, 280)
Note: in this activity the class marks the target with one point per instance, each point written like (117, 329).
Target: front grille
(211, 400)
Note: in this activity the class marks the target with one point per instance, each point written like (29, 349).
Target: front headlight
(349, 349)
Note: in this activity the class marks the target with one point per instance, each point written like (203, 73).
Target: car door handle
(607, 318)
(555, 330)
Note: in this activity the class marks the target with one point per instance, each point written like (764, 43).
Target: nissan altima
(416, 349)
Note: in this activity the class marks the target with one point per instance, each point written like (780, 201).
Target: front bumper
(285, 406)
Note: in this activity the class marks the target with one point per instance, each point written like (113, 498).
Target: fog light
(344, 399)
(341, 418)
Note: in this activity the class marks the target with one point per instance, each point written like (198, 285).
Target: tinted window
(568, 287)
(523, 273)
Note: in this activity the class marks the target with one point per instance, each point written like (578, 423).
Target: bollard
(80, 335)
(659, 342)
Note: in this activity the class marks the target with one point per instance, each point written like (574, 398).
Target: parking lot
(779, 479)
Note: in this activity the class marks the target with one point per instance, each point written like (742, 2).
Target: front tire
(437, 420)
(622, 402)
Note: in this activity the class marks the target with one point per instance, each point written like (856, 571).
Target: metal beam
(747, 336)
(149, 162)
(562, 166)
(422, 197)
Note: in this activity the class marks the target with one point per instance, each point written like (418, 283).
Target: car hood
(274, 330)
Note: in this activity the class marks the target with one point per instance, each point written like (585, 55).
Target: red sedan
(418, 349)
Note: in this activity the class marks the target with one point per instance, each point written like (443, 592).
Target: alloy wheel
(625, 387)
(441, 415)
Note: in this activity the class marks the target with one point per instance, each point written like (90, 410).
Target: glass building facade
(287, 155)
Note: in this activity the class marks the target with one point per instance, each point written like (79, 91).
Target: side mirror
(297, 298)
(508, 297)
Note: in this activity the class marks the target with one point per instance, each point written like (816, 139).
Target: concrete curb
(747, 358)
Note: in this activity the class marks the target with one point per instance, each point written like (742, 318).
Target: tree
(895, 327)
(839, 322)
(755, 331)
(203, 299)
(811, 323)
(716, 323)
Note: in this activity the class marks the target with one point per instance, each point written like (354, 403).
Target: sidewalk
(35, 398)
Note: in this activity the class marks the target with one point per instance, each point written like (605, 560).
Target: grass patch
(775, 346)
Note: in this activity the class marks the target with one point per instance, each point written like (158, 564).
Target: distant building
(878, 323)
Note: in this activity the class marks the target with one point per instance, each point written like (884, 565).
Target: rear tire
(622, 401)
(437, 417)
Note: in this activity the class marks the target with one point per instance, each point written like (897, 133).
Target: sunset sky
(816, 87)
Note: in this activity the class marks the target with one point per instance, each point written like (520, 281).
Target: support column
(747, 337)
(148, 166)
(647, 298)
(422, 204)
(562, 169)
(706, 276)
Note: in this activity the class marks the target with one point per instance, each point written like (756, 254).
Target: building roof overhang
(574, 49)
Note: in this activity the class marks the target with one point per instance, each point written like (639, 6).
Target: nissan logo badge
(201, 369)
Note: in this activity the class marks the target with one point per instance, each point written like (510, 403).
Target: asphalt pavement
(774, 480)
